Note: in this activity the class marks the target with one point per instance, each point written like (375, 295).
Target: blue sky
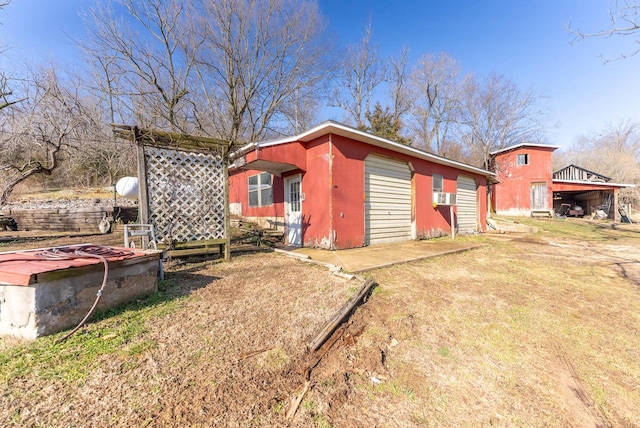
(525, 40)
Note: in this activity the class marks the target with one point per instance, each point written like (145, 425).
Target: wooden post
(453, 223)
(143, 192)
(227, 221)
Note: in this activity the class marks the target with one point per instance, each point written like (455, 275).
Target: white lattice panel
(186, 195)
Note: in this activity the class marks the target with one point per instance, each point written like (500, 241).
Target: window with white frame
(260, 190)
(522, 159)
(438, 183)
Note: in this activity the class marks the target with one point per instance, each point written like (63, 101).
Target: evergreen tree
(383, 123)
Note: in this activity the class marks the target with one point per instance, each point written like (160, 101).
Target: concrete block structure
(40, 296)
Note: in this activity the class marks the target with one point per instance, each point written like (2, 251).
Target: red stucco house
(337, 187)
(526, 185)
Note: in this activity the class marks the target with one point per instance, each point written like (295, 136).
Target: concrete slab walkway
(378, 256)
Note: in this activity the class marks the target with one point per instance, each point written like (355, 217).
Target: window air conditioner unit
(442, 198)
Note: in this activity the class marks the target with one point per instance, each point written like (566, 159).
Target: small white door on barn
(387, 207)
(293, 210)
(467, 204)
(539, 197)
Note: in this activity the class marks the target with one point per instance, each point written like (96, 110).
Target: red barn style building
(525, 180)
(527, 185)
(337, 187)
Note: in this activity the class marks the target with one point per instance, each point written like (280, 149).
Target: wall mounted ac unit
(442, 198)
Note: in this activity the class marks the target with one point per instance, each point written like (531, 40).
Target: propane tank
(127, 187)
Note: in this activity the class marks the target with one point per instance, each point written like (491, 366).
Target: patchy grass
(175, 359)
(582, 228)
(117, 333)
(58, 194)
(519, 333)
(542, 330)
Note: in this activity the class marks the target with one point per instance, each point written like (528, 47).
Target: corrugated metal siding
(387, 200)
(467, 205)
(575, 173)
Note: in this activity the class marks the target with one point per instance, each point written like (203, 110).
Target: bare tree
(104, 80)
(360, 73)
(435, 87)
(613, 152)
(98, 161)
(623, 136)
(6, 93)
(388, 122)
(101, 152)
(259, 58)
(227, 68)
(301, 113)
(5, 89)
(399, 90)
(53, 117)
(495, 114)
(625, 21)
(143, 42)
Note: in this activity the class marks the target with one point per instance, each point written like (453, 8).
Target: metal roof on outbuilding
(517, 146)
(336, 128)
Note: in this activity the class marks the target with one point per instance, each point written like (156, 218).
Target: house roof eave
(242, 151)
(517, 146)
(332, 127)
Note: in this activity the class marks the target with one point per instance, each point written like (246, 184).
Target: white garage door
(467, 205)
(387, 208)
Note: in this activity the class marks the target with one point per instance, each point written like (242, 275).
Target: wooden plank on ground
(341, 315)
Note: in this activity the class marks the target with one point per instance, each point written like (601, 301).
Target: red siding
(239, 193)
(575, 187)
(429, 219)
(348, 192)
(292, 153)
(513, 193)
(333, 185)
(315, 186)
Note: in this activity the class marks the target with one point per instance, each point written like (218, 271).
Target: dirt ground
(541, 330)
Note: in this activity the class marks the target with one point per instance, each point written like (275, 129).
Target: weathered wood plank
(341, 315)
(193, 252)
(196, 244)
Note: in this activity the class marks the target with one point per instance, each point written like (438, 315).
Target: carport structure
(587, 189)
(527, 186)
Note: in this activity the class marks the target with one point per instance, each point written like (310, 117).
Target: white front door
(293, 210)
